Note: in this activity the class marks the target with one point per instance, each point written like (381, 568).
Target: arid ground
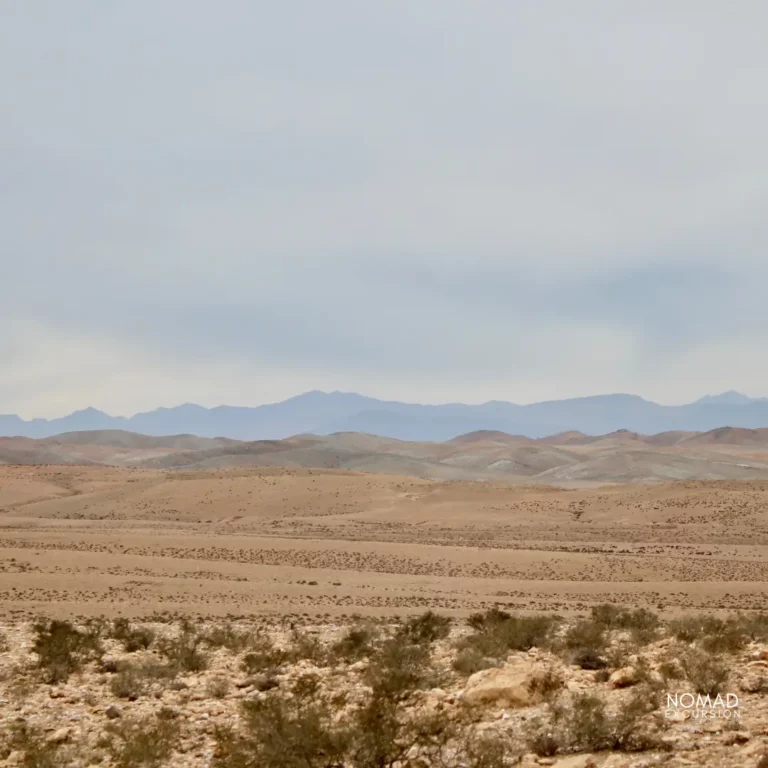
(116, 541)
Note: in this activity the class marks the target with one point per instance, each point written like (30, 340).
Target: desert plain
(243, 540)
(256, 596)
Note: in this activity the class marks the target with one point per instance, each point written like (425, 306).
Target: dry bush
(62, 649)
(5, 646)
(497, 633)
(470, 660)
(542, 739)
(424, 629)
(356, 643)
(307, 647)
(586, 726)
(132, 638)
(585, 644)
(183, 651)
(716, 635)
(264, 655)
(283, 732)
(217, 687)
(133, 680)
(398, 668)
(642, 624)
(30, 744)
(546, 684)
(707, 673)
(147, 741)
(226, 636)
(484, 751)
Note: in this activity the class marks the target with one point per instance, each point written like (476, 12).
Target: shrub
(63, 649)
(717, 635)
(425, 629)
(546, 684)
(497, 633)
(641, 623)
(282, 732)
(226, 636)
(307, 647)
(585, 644)
(707, 673)
(5, 646)
(541, 739)
(356, 643)
(29, 741)
(484, 751)
(133, 639)
(132, 680)
(217, 687)
(471, 660)
(399, 668)
(264, 657)
(148, 741)
(183, 651)
(128, 683)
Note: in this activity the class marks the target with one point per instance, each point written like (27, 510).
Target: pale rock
(507, 686)
(59, 736)
(576, 761)
(752, 683)
(624, 677)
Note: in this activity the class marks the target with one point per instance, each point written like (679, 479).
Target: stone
(576, 761)
(752, 683)
(624, 677)
(504, 687)
(59, 736)
(737, 737)
(113, 712)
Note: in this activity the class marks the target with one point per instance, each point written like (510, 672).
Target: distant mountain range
(324, 413)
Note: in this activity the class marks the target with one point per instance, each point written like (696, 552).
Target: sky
(429, 201)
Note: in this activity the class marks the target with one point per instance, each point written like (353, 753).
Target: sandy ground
(315, 543)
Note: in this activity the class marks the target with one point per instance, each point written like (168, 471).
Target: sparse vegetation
(184, 651)
(63, 649)
(356, 643)
(302, 704)
(30, 744)
(497, 633)
(132, 638)
(147, 742)
(707, 673)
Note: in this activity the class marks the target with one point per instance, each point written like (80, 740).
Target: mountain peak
(731, 397)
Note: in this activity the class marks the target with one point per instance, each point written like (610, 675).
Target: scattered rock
(507, 686)
(113, 712)
(624, 677)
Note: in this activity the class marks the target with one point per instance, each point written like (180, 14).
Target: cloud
(463, 200)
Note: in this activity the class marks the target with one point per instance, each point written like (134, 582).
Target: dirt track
(117, 541)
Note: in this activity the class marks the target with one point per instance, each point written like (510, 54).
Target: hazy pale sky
(425, 200)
